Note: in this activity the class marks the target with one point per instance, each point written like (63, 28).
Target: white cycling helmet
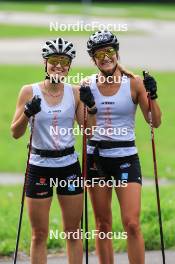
(58, 46)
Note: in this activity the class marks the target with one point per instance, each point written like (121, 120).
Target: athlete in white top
(55, 106)
(111, 150)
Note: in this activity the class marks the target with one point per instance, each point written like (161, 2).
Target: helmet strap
(52, 80)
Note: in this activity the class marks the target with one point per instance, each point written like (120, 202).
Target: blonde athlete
(112, 151)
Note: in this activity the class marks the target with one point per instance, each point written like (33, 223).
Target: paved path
(152, 257)
(17, 178)
(153, 50)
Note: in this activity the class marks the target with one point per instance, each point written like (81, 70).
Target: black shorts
(125, 169)
(41, 180)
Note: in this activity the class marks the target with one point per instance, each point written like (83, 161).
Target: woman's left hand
(86, 96)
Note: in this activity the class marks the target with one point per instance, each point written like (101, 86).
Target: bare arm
(142, 100)
(20, 121)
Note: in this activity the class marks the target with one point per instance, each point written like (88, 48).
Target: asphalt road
(152, 257)
(18, 178)
(153, 50)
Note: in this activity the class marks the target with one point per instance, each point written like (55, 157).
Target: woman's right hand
(33, 107)
(20, 120)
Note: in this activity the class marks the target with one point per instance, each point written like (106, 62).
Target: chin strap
(47, 77)
(52, 80)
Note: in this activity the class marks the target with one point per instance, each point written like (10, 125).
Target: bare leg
(130, 205)
(101, 202)
(38, 210)
(72, 208)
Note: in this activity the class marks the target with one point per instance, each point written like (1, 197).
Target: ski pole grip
(145, 74)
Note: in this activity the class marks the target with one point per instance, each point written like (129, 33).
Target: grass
(13, 152)
(119, 10)
(16, 31)
(10, 206)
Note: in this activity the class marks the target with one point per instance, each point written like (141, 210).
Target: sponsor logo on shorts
(124, 176)
(71, 188)
(42, 194)
(72, 177)
(42, 181)
(71, 185)
(125, 165)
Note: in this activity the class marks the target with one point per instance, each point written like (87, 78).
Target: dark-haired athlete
(55, 105)
(111, 150)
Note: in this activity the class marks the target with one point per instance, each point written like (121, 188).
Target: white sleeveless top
(52, 129)
(115, 119)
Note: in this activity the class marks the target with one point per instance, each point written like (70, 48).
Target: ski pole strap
(96, 156)
(103, 144)
(53, 153)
